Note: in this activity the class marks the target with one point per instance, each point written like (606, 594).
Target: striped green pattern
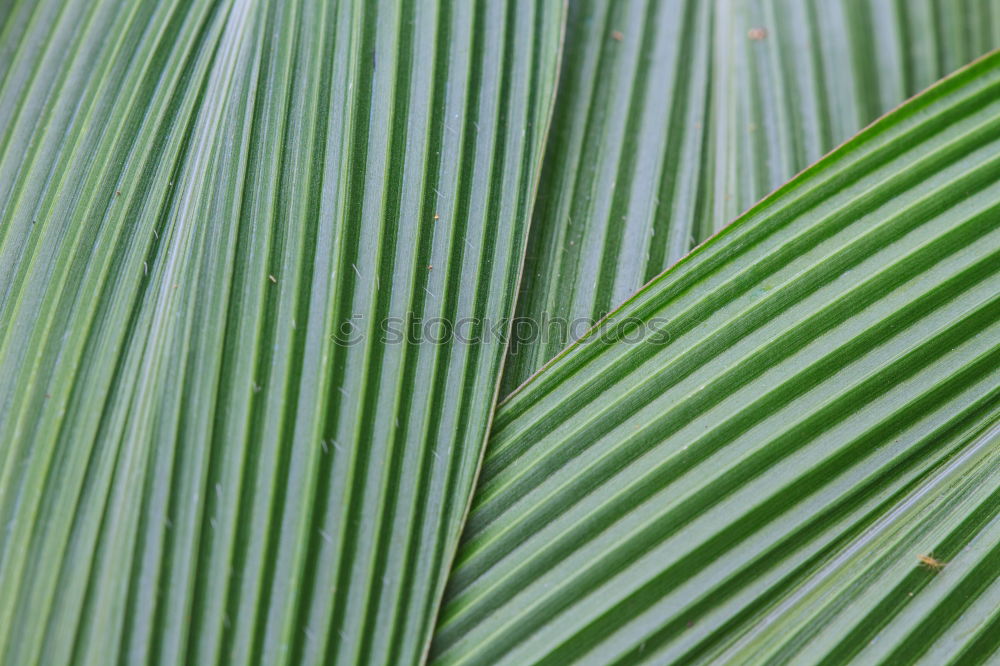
(209, 452)
(794, 78)
(675, 116)
(747, 464)
(620, 185)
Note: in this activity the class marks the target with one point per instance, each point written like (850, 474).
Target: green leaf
(745, 461)
(674, 117)
(951, 507)
(619, 189)
(199, 461)
(794, 79)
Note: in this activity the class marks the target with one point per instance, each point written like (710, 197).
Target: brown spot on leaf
(931, 562)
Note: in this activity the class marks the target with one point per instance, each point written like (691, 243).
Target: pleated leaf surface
(219, 442)
(745, 462)
(675, 116)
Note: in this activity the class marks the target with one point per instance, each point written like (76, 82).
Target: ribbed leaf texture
(795, 78)
(675, 116)
(210, 452)
(746, 462)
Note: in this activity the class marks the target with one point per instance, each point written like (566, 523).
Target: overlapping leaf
(793, 79)
(619, 193)
(745, 462)
(675, 116)
(212, 452)
(221, 221)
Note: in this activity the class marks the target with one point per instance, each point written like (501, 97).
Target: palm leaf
(674, 117)
(613, 207)
(202, 205)
(794, 79)
(745, 461)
